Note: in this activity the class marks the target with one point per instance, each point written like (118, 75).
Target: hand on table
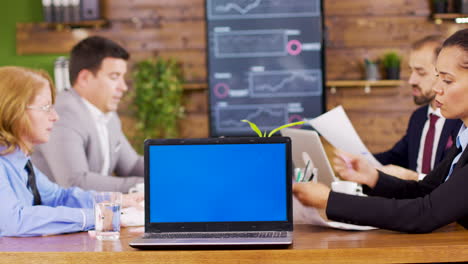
(133, 200)
(311, 194)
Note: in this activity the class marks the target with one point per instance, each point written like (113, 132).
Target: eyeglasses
(45, 108)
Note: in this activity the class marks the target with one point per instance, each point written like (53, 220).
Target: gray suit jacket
(73, 157)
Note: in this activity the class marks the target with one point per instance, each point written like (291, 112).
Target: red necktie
(428, 144)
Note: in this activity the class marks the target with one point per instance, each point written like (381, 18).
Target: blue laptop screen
(217, 183)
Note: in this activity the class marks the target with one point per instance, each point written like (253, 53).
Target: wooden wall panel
(378, 100)
(366, 8)
(348, 63)
(193, 61)
(154, 9)
(39, 39)
(379, 133)
(380, 118)
(356, 30)
(196, 102)
(177, 35)
(379, 31)
(165, 35)
(36, 39)
(194, 126)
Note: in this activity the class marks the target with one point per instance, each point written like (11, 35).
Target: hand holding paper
(337, 129)
(133, 200)
(355, 168)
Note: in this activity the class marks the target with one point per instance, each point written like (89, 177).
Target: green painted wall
(21, 11)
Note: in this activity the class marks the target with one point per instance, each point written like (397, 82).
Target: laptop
(217, 192)
(306, 145)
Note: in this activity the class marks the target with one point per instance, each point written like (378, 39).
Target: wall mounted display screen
(265, 63)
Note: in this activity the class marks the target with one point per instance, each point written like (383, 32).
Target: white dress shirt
(101, 120)
(439, 125)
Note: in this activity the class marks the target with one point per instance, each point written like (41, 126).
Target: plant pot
(440, 7)
(372, 71)
(393, 73)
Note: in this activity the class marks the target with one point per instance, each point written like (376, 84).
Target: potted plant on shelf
(439, 6)
(391, 62)
(371, 68)
(157, 98)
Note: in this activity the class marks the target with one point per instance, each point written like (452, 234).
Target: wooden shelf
(363, 83)
(440, 17)
(358, 83)
(59, 26)
(36, 38)
(331, 84)
(195, 86)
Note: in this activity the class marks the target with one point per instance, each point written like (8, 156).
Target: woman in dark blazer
(401, 205)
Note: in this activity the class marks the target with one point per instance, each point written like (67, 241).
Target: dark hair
(434, 40)
(90, 52)
(459, 39)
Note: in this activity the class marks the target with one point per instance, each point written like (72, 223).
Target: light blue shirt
(461, 141)
(62, 210)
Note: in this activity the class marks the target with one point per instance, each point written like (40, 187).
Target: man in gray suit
(87, 147)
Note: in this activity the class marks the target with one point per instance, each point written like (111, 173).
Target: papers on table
(133, 216)
(336, 127)
(309, 215)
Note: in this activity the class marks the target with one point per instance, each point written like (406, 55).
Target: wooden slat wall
(356, 29)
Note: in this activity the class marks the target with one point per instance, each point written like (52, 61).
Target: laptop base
(147, 244)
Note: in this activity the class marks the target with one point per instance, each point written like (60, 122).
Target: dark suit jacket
(405, 151)
(409, 206)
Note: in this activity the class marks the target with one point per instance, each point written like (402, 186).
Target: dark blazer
(405, 151)
(409, 206)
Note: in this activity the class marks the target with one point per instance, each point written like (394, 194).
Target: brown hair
(432, 40)
(18, 87)
(460, 40)
(90, 52)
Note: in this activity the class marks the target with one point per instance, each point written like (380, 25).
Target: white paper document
(337, 129)
(133, 216)
(309, 215)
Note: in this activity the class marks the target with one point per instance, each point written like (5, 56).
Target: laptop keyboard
(177, 235)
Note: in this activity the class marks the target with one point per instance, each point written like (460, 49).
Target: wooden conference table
(311, 245)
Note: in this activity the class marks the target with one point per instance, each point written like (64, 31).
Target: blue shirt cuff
(88, 221)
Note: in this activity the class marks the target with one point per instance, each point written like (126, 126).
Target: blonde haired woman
(31, 204)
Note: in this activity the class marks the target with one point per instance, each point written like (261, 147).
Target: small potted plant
(371, 68)
(391, 61)
(439, 6)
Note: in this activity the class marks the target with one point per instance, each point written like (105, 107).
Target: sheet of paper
(309, 215)
(337, 129)
(306, 215)
(132, 216)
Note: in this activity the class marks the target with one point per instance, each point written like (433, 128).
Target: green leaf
(157, 98)
(285, 126)
(253, 127)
